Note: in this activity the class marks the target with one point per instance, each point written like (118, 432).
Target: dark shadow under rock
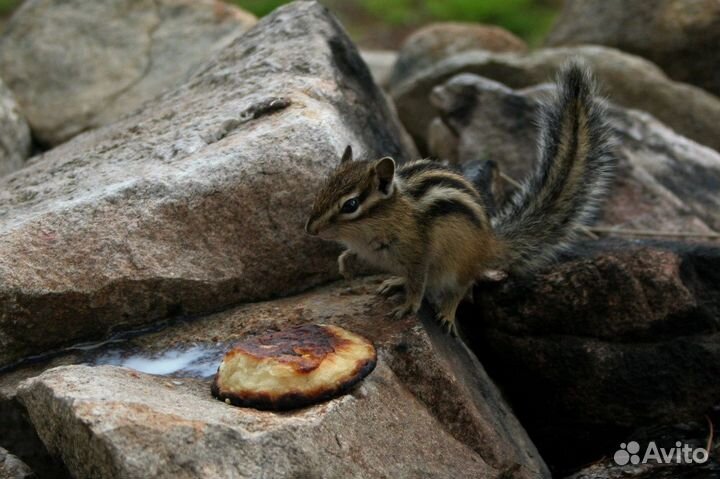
(19, 437)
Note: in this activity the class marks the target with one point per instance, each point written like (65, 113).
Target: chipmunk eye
(350, 206)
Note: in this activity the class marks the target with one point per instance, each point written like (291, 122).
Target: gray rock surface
(438, 41)
(380, 63)
(152, 430)
(678, 35)
(196, 202)
(15, 141)
(428, 410)
(625, 79)
(664, 181)
(13, 468)
(76, 65)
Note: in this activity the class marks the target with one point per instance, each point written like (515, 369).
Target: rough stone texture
(618, 336)
(678, 35)
(664, 181)
(197, 202)
(150, 430)
(429, 409)
(438, 41)
(15, 141)
(13, 468)
(380, 63)
(76, 65)
(625, 79)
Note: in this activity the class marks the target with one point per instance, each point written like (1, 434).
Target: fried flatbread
(294, 367)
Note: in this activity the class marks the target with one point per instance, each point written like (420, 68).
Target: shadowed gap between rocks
(585, 364)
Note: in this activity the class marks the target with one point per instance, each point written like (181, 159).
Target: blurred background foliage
(6, 6)
(384, 23)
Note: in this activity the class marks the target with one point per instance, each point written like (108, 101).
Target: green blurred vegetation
(259, 7)
(529, 19)
(7, 6)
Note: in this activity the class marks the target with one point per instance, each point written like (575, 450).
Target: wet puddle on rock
(196, 361)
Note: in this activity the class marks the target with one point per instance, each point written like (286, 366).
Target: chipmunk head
(348, 194)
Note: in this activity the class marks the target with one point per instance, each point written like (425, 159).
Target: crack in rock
(262, 108)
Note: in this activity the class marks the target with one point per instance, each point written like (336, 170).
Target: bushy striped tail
(569, 184)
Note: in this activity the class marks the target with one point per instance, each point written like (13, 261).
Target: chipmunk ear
(347, 156)
(385, 170)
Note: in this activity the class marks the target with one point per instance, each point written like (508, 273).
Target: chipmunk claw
(391, 286)
(345, 271)
(402, 310)
(448, 324)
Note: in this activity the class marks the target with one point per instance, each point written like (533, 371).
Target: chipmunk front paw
(408, 307)
(391, 286)
(344, 264)
(401, 311)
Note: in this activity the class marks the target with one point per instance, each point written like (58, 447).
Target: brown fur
(438, 256)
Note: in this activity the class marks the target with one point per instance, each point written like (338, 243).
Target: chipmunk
(427, 224)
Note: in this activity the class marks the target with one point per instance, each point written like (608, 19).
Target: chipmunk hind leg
(446, 291)
(447, 304)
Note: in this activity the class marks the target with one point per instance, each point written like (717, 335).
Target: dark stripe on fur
(365, 193)
(418, 190)
(447, 207)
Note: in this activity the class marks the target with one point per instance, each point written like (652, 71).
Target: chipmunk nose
(310, 228)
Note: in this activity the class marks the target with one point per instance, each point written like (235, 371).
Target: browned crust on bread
(303, 348)
(294, 399)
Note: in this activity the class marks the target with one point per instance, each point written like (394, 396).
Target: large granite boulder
(428, 410)
(438, 41)
(76, 65)
(625, 79)
(620, 335)
(196, 202)
(664, 181)
(678, 35)
(15, 141)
